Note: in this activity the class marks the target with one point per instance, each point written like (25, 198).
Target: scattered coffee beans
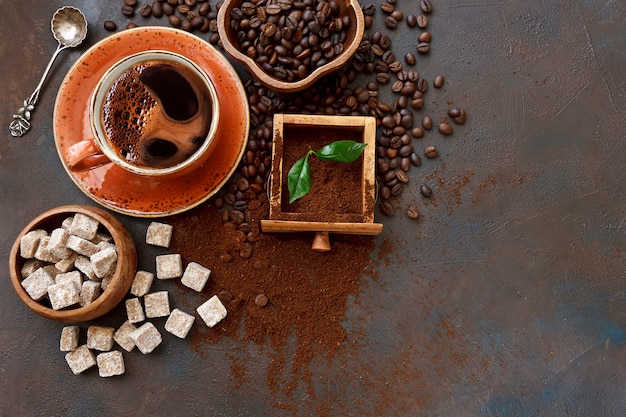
(431, 152)
(426, 191)
(110, 26)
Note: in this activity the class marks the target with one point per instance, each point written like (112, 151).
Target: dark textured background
(506, 299)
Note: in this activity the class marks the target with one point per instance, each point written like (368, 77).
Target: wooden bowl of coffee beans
(289, 44)
(73, 263)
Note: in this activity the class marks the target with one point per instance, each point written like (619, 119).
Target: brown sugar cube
(101, 237)
(57, 243)
(29, 243)
(122, 336)
(100, 338)
(81, 246)
(157, 304)
(179, 323)
(159, 234)
(134, 311)
(146, 338)
(83, 264)
(72, 276)
(212, 311)
(67, 223)
(69, 338)
(65, 265)
(43, 252)
(141, 283)
(195, 276)
(37, 283)
(52, 270)
(169, 266)
(110, 363)
(89, 292)
(84, 226)
(103, 262)
(80, 359)
(30, 266)
(63, 295)
(104, 284)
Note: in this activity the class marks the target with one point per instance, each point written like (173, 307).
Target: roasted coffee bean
(387, 7)
(396, 87)
(386, 208)
(130, 2)
(131, 25)
(168, 9)
(395, 66)
(261, 300)
(422, 21)
(431, 152)
(423, 47)
(417, 103)
(405, 164)
(454, 112)
(402, 176)
(425, 37)
(427, 123)
(413, 212)
(225, 258)
(438, 81)
(445, 128)
(398, 15)
(408, 89)
(426, 191)
(411, 20)
(402, 102)
(128, 11)
(246, 251)
(460, 119)
(174, 20)
(110, 25)
(405, 150)
(426, 6)
(396, 190)
(157, 9)
(422, 85)
(382, 78)
(385, 192)
(417, 132)
(145, 10)
(415, 159)
(393, 163)
(409, 58)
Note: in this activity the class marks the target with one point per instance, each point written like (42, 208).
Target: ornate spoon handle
(21, 121)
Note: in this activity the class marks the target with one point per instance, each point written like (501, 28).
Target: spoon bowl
(69, 26)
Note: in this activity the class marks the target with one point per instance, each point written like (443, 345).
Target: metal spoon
(69, 28)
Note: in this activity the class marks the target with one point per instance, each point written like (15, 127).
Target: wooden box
(342, 196)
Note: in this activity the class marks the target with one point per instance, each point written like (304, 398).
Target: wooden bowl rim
(119, 285)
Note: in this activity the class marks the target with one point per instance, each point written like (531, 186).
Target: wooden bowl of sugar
(45, 268)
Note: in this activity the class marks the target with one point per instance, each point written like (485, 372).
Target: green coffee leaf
(341, 151)
(299, 178)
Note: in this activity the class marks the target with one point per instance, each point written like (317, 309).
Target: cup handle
(85, 155)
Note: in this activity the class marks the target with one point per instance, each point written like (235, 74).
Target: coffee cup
(153, 113)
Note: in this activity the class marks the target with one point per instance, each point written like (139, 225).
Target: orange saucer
(131, 194)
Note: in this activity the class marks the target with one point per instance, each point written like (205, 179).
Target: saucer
(132, 194)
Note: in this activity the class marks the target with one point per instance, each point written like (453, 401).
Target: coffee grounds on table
(308, 291)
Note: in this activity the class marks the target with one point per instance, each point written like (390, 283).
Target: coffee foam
(127, 106)
(134, 120)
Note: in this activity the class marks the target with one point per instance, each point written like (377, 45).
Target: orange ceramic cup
(187, 142)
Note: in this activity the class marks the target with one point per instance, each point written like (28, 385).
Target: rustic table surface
(506, 299)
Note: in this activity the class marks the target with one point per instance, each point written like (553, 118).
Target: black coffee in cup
(157, 114)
